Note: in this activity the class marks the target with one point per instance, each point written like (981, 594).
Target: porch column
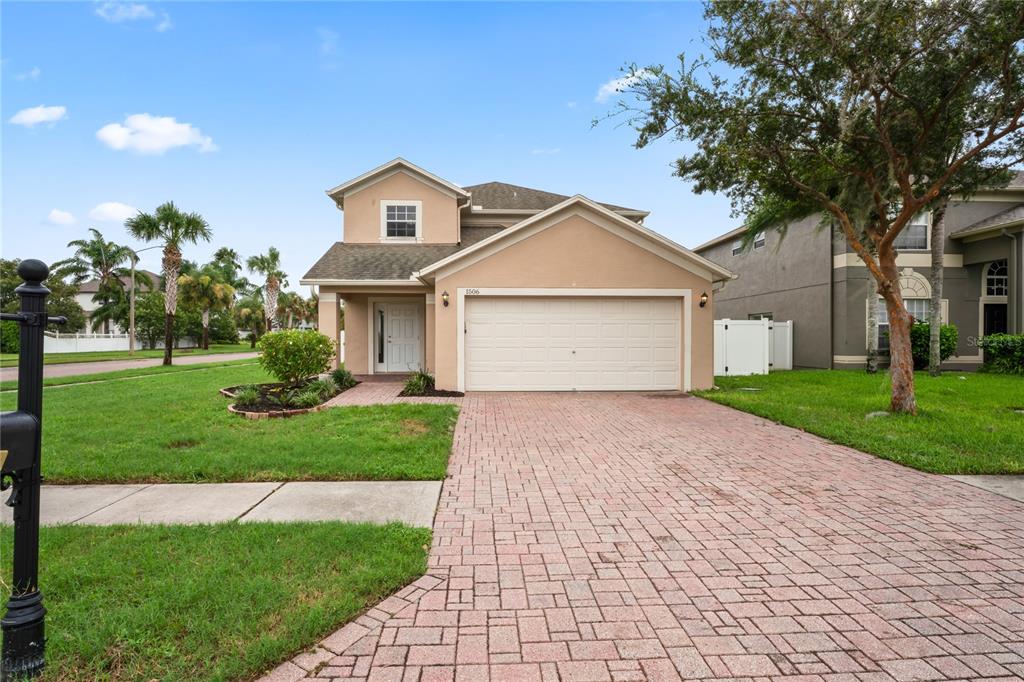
(1015, 280)
(328, 322)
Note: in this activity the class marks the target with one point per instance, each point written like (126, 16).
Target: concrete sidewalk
(410, 502)
(76, 368)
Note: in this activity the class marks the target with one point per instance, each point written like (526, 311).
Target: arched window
(997, 279)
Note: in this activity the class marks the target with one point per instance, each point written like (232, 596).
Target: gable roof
(390, 168)
(1009, 217)
(501, 196)
(718, 273)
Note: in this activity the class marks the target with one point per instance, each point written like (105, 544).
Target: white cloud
(165, 23)
(117, 12)
(32, 74)
(148, 134)
(33, 116)
(545, 152)
(617, 85)
(328, 41)
(59, 217)
(113, 211)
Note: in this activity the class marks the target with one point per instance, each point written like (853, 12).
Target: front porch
(386, 333)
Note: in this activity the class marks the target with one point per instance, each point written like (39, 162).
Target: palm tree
(102, 260)
(249, 315)
(173, 227)
(269, 265)
(207, 292)
(229, 263)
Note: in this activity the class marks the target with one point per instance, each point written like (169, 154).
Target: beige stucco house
(499, 287)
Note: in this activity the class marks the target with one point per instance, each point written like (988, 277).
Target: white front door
(400, 337)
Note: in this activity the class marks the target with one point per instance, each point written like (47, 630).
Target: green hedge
(10, 337)
(920, 340)
(1004, 353)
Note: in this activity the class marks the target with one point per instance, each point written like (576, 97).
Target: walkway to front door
(659, 537)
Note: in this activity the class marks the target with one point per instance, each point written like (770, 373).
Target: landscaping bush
(343, 379)
(325, 388)
(920, 341)
(10, 337)
(419, 383)
(292, 355)
(308, 398)
(246, 396)
(1004, 353)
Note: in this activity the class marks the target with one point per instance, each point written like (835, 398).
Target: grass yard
(219, 602)
(175, 428)
(967, 423)
(129, 373)
(11, 359)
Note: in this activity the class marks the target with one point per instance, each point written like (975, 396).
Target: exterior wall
(328, 322)
(440, 220)
(573, 253)
(789, 278)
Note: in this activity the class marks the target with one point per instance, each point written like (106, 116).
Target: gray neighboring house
(812, 277)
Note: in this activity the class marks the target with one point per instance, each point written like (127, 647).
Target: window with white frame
(918, 309)
(759, 240)
(737, 247)
(997, 279)
(401, 219)
(914, 236)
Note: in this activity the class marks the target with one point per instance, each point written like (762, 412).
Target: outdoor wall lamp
(444, 299)
(703, 299)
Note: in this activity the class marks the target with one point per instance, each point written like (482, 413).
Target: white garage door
(565, 344)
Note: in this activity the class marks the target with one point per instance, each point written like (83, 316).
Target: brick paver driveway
(629, 537)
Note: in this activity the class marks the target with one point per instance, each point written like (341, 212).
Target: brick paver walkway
(375, 392)
(630, 537)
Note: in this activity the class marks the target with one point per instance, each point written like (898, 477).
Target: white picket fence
(752, 346)
(85, 343)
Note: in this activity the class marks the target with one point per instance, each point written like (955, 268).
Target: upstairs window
(401, 220)
(759, 240)
(737, 247)
(997, 279)
(914, 236)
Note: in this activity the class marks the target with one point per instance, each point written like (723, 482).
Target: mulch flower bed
(433, 393)
(270, 403)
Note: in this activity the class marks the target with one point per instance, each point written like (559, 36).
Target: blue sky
(247, 112)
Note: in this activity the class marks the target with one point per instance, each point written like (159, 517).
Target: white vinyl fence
(85, 343)
(752, 346)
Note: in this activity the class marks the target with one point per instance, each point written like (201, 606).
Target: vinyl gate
(752, 346)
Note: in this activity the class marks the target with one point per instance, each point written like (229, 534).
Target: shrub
(247, 396)
(325, 388)
(419, 383)
(307, 398)
(343, 379)
(1004, 353)
(920, 340)
(10, 337)
(291, 355)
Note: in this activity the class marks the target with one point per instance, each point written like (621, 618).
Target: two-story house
(500, 287)
(811, 276)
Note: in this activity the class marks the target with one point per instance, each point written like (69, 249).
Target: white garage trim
(460, 311)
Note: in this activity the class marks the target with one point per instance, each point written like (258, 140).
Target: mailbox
(17, 440)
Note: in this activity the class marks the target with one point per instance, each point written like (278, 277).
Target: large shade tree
(174, 228)
(209, 293)
(269, 265)
(867, 112)
(104, 261)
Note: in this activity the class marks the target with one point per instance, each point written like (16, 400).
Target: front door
(401, 337)
(995, 318)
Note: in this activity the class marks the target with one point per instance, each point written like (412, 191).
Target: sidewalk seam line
(260, 501)
(120, 499)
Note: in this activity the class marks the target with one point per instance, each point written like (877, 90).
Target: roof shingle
(501, 195)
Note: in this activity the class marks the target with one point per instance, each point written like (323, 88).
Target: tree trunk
(872, 340)
(168, 336)
(901, 359)
(935, 306)
(206, 329)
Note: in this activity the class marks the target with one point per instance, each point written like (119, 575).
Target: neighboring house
(499, 287)
(90, 288)
(812, 277)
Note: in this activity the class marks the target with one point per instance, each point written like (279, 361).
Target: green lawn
(175, 427)
(967, 423)
(11, 359)
(219, 602)
(129, 373)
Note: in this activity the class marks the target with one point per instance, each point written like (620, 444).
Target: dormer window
(401, 220)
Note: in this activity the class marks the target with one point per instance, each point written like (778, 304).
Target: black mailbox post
(23, 633)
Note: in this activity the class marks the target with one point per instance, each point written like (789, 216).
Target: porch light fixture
(444, 299)
(703, 299)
